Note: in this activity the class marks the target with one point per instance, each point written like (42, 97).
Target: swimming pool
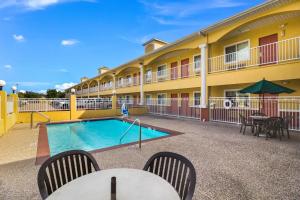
(94, 135)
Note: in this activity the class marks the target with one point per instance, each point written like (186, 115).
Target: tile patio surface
(229, 165)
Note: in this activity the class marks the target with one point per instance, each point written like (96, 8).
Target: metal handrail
(41, 114)
(140, 132)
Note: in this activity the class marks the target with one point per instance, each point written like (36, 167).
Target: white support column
(98, 81)
(141, 84)
(114, 82)
(88, 90)
(203, 48)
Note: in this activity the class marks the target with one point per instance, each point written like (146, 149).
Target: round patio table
(132, 184)
(260, 121)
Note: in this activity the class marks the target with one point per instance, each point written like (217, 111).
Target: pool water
(92, 135)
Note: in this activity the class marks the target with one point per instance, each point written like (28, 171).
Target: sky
(46, 44)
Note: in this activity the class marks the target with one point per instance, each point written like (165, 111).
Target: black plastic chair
(63, 168)
(274, 127)
(286, 123)
(176, 169)
(245, 123)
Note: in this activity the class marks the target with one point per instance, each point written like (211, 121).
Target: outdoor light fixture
(73, 91)
(2, 84)
(14, 89)
(114, 92)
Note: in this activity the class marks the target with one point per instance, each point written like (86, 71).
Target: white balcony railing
(178, 107)
(78, 91)
(105, 87)
(179, 72)
(93, 89)
(93, 103)
(273, 53)
(85, 91)
(41, 105)
(228, 110)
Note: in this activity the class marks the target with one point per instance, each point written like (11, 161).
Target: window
(148, 99)
(129, 79)
(128, 99)
(120, 100)
(161, 99)
(197, 98)
(237, 52)
(120, 82)
(238, 99)
(148, 75)
(110, 83)
(161, 71)
(197, 62)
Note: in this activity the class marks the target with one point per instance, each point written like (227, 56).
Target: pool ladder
(140, 132)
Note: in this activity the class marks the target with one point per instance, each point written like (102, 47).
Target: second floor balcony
(173, 72)
(268, 54)
(128, 82)
(94, 89)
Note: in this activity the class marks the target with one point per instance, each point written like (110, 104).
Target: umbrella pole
(263, 102)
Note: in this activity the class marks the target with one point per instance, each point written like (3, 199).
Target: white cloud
(69, 42)
(63, 86)
(22, 91)
(170, 13)
(19, 38)
(8, 67)
(36, 4)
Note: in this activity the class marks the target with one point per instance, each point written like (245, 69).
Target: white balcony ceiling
(278, 19)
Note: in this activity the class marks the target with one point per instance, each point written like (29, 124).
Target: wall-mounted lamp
(73, 91)
(114, 92)
(282, 28)
(2, 84)
(14, 89)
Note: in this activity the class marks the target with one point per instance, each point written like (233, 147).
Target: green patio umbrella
(266, 87)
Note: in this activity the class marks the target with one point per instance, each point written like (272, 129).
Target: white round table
(132, 184)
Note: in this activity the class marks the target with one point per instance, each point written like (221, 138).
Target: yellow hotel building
(217, 61)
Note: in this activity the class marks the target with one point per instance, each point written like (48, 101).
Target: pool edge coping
(43, 149)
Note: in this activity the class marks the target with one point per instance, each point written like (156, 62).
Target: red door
(268, 49)
(184, 104)
(174, 104)
(174, 71)
(135, 102)
(270, 105)
(184, 68)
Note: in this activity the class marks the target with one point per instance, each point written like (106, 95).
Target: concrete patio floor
(229, 165)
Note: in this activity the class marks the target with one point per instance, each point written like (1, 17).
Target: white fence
(10, 105)
(93, 103)
(172, 72)
(229, 109)
(43, 105)
(281, 51)
(176, 107)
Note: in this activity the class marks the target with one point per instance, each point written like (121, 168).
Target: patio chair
(63, 168)
(274, 127)
(167, 165)
(245, 123)
(286, 123)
